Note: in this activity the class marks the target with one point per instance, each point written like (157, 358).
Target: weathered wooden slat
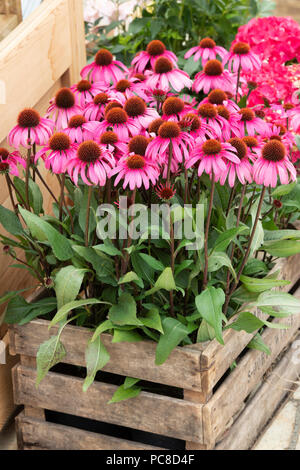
(229, 397)
(7, 406)
(216, 358)
(244, 431)
(181, 369)
(148, 412)
(49, 436)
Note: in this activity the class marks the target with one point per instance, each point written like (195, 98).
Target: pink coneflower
(9, 162)
(112, 141)
(104, 69)
(154, 50)
(129, 87)
(93, 162)
(231, 117)
(137, 110)
(165, 191)
(85, 91)
(61, 150)
(213, 76)
(138, 145)
(169, 137)
(220, 98)
(166, 75)
(77, 130)
(136, 171)
(254, 146)
(211, 156)
(30, 127)
(94, 111)
(273, 162)
(242, 58)
(250, 123)
(207, 50)
(192, 124)
(155, 125)
(62, 108)
(242, 170)
(174, 108)
(215, 122)
(280, 133)
(117, 120)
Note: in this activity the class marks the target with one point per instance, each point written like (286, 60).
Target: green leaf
(248, 322)
(282, 248)
(152, 262)
(174, 333)
(96, 357)
(255, 266)
(226, 237)
(131, 276)
(273, 235)
(123, 336)
(106, 325)
(68, 281)
(123, 393)
(36, 197)
(219, 259)
(10, 221)
(283, 189)
(205, 332)
(63, 311)
(260, 285)
(164, 281)
(152, 320)
(209, 304)
(40, 308)
(102, 265)
(124, 313)
(59, 244)
(110, 250)
(280, 300)
(50, 352)
(10, 295)
(258, 343)
(129, 382)
(16, 310)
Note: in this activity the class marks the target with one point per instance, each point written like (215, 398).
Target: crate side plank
(148, 412)
(181, 369)
(262, 406)
(216, 358)
(50, 436)
(228, 398)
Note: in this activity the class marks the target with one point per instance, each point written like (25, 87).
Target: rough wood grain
(7, 24)
(181, 369)
(7, 405)
(148, 412)
(37, 434)
(229, 397)
(258, 411)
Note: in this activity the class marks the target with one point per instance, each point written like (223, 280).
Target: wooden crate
(213, 404)
(10, 16)
(7, 406)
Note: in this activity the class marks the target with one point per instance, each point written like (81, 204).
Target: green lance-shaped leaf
(209, 304)
(248, 322)
(123, 393)
(219, 259)
(174, 333)
(282, 248)
(63, 311)
(43, 230)
(10, 221)
(164, 281)
(50, 352)
(96, 357)
(226, 237)
(282, 301)
(124, 313)
(253, 284)
(152, 320)
(258, 343)
(68, 281)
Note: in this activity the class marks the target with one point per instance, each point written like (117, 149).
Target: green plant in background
(178, 24)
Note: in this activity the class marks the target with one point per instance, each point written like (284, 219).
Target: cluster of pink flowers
(132, 125)
(276, 41)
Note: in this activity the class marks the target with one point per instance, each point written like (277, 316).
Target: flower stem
(169, 162)
(27, 174)
(207, 230)
(87, 220)
(61, 200)
(11, 194)
(46, 185)
(246, 256)
(238, 83)
(232, 192)
(172, 260)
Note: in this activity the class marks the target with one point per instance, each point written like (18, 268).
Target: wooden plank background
(42, 54)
